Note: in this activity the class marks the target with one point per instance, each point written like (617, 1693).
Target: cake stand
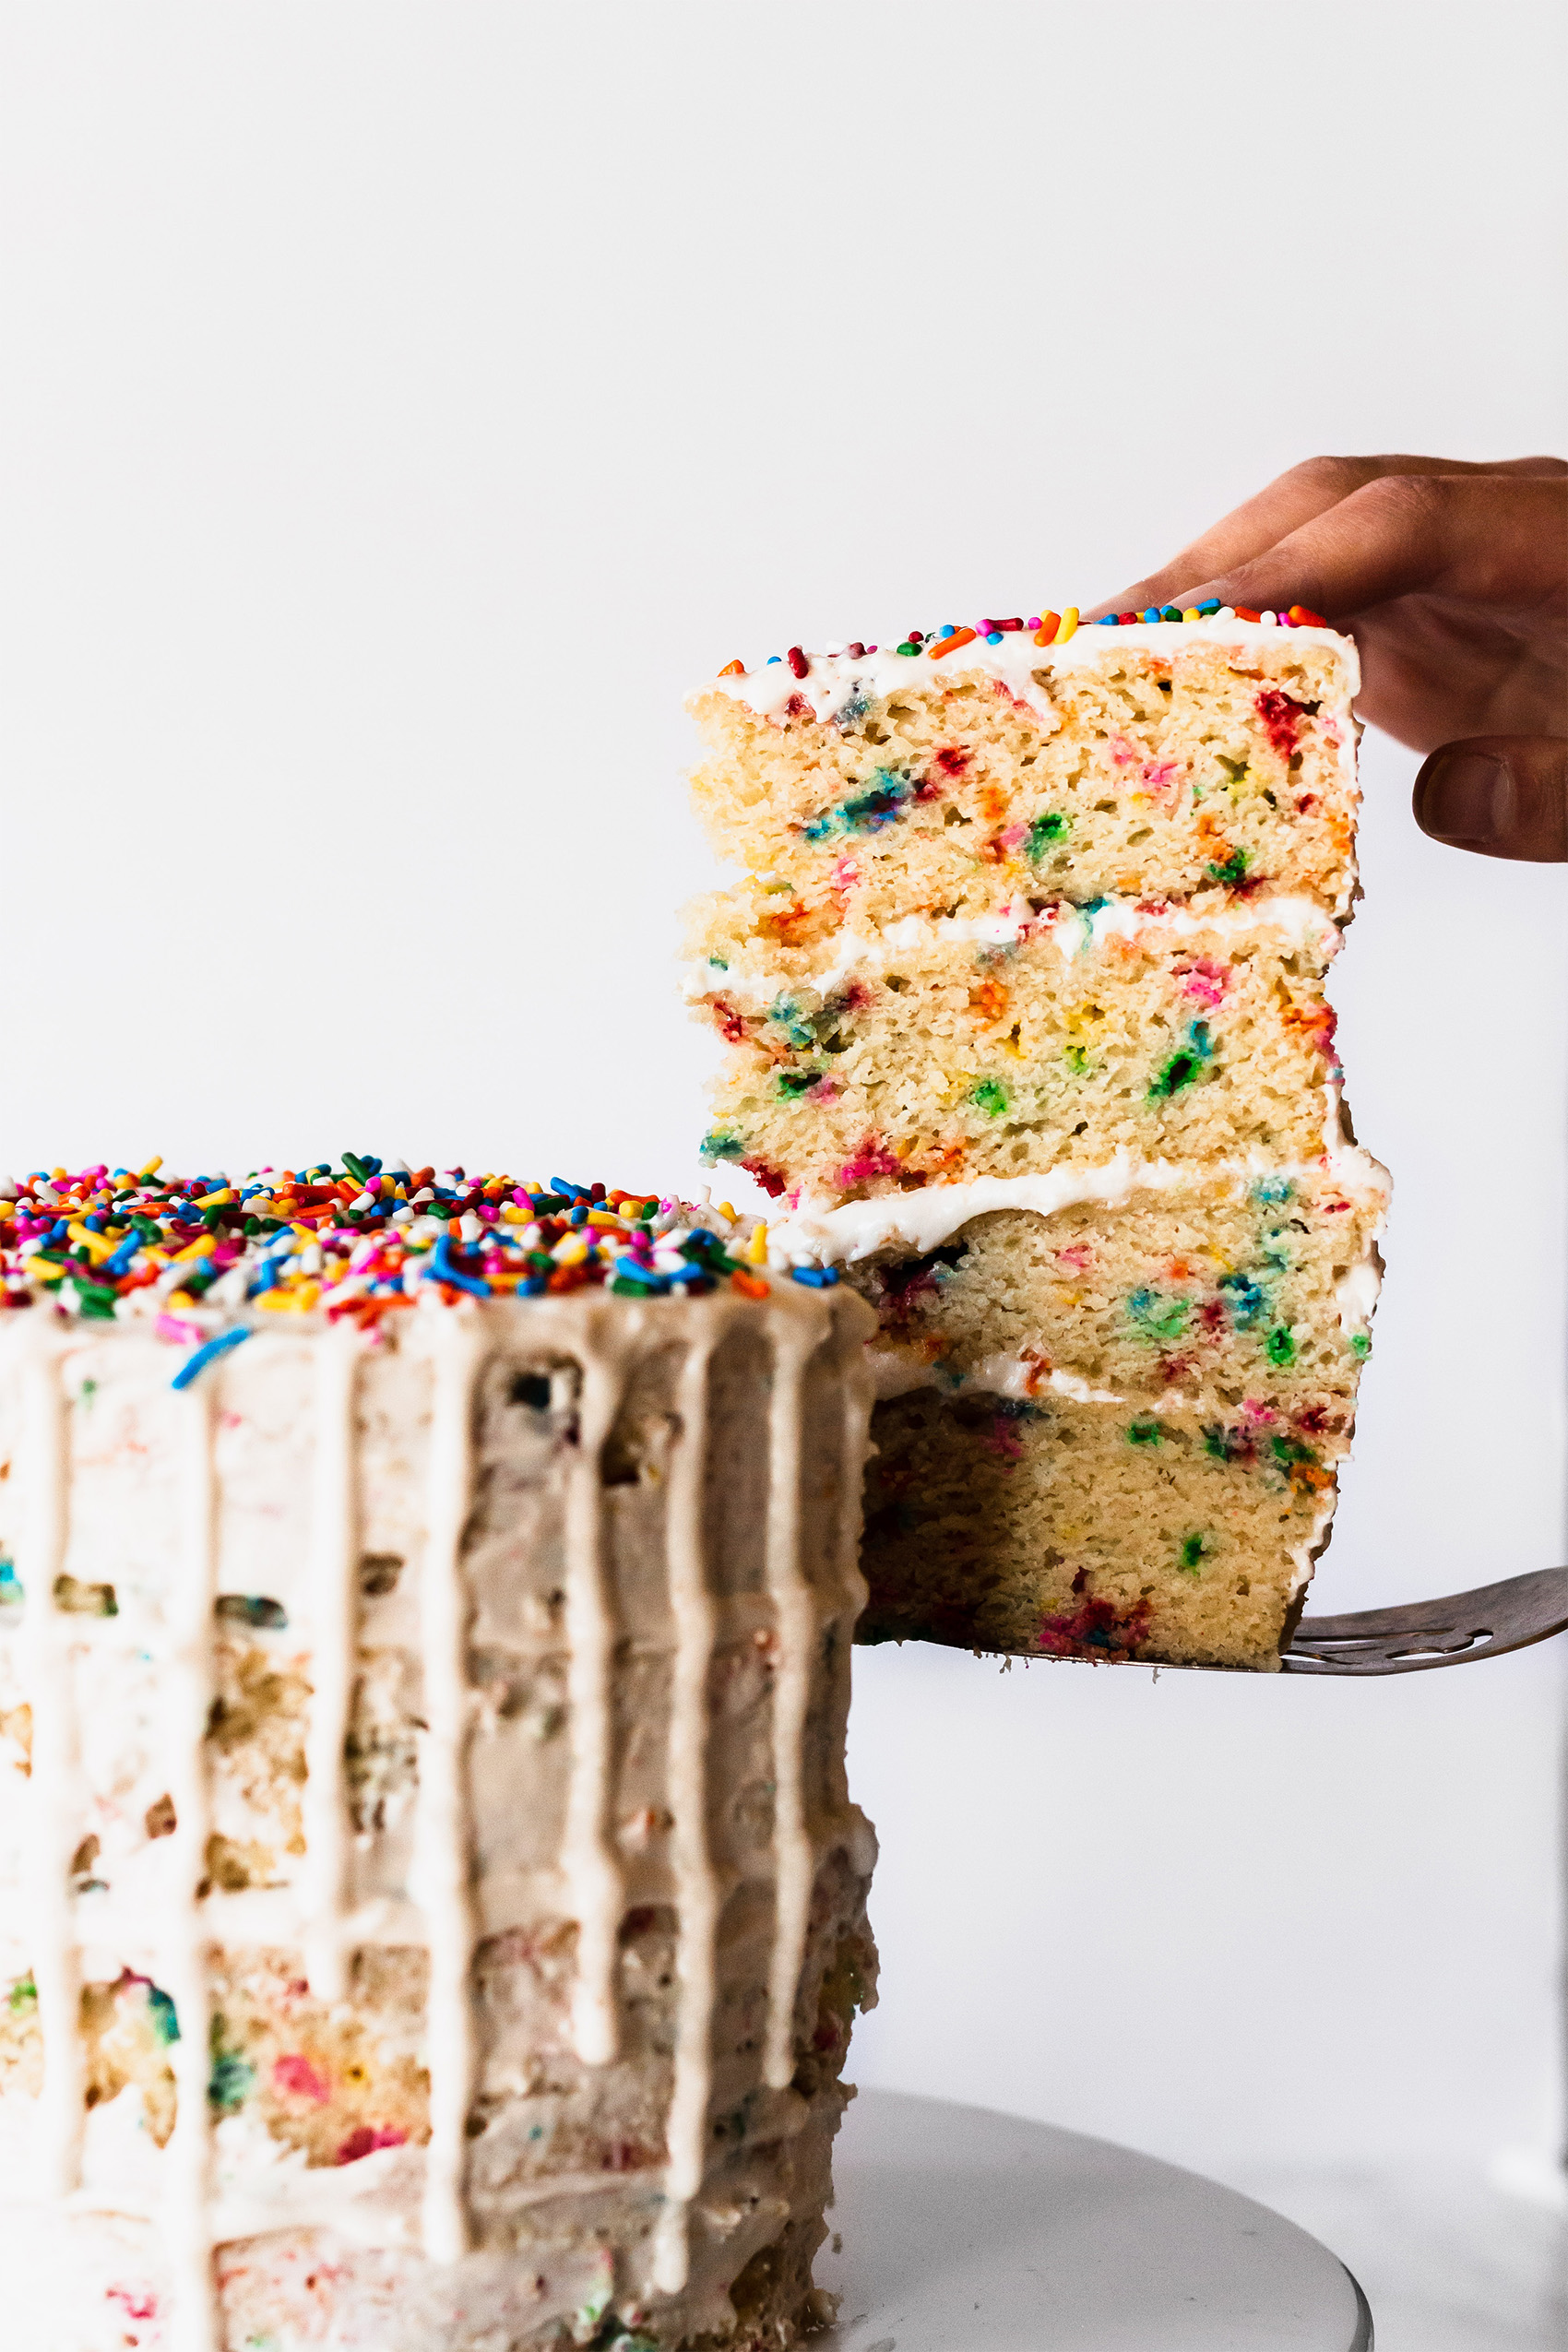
(966, 2232)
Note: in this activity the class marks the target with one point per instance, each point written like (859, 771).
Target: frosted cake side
(432, 1908)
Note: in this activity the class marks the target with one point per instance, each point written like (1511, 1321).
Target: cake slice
(1024, 1019)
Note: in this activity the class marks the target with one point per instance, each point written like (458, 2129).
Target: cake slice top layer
(1162, 758)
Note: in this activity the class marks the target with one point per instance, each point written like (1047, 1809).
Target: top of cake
(824, 683)
(1158, 759)
(361, 1240)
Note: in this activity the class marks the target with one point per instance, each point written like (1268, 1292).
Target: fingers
(1291, 501)
(1545, 467)
(1504, 796)
(1490, 539)
(1250, 529)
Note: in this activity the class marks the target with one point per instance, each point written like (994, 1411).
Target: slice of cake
(432, 1908)
(1022, 998)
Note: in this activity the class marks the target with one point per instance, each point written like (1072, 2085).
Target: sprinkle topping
(193, 1254)
(1048, 628)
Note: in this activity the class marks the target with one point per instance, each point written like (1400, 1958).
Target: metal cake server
(1452, 1631)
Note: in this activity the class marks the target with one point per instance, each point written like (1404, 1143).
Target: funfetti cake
(1022, 992)
(432, 1909)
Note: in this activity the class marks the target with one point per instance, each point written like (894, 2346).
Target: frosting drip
(696, 1883)
(188, 1688)
(443, 1882)
(333, 1564)
(791, 1678)
(52, 1788)
(587, 1860)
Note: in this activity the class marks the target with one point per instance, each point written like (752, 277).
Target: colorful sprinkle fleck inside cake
(432, 1912)
(1023, 993)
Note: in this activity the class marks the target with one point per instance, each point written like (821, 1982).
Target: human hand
(1453, 579)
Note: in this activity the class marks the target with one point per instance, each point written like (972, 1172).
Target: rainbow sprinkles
(356, 1240)
(1043, 629)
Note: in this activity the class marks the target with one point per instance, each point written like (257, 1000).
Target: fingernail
(1467, 798)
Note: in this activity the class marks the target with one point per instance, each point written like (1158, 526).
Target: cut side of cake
(432, 1910)
(1023, 997)
(1182, 1360)
(1155, 762)
(1018, 1041)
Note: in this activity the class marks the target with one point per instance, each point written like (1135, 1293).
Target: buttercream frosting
(820, 1233)
(1073, 931)
(834, 681)
(192, 1517)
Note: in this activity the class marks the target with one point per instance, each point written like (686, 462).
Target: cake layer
(431, 1906)
(924, 1051)
(1055, 1529)
(1220, 1289)
(1157, 760)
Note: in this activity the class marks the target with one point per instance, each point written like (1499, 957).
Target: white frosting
(52, 1806)
(260, 2185)
(187, 1684)
(333, 1611)
(1073, 930)
(1301, 919)
(696, 1883)
(588, 1860)
(835, 680)
(1357, 1293)
(1306, 1555)
(442, 1878)
(921, 1221)
(795, 1616)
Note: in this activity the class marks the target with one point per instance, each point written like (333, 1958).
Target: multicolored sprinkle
(1046, 627)
(198, 1255)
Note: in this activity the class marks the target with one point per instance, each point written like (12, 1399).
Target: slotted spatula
(1452, 1631)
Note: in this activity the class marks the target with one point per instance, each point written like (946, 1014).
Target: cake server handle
(1452, 1631)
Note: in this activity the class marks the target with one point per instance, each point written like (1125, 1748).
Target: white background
(405, 404)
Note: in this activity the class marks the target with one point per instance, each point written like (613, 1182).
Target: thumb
(1506, 796)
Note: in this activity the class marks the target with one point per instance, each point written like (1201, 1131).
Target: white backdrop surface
(405, 405)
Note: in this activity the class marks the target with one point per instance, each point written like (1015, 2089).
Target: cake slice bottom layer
(1058, 1529)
